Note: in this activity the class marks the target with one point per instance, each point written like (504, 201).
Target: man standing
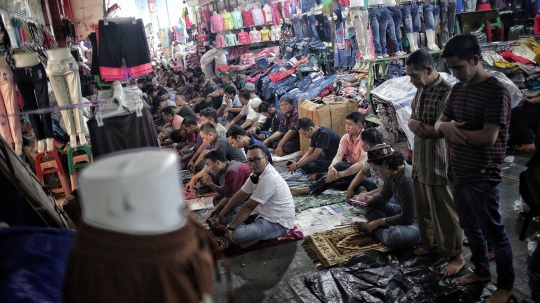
(290, 141)
(323, 146)
(266, 194)
(234, 175)
(475, 121)
(437, 218)
(341, 173)
(238, 139)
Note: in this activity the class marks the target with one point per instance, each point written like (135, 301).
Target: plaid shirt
(484, 103)
(288, 122)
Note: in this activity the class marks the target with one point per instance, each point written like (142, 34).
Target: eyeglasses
(255, 160)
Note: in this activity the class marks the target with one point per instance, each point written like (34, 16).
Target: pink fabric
(537, 24)
(177, 122)
(352, 150)
(276, 14)
(220, 41)
(258, 17)
(255, 36)
(216, 23)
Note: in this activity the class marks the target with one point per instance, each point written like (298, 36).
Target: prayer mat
(186, 175)
(200, 203)
(285, 158)
(223, 248)
(335, 246)
(193, 195)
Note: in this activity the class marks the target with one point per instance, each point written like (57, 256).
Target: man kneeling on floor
(235, 174)
(265, 194)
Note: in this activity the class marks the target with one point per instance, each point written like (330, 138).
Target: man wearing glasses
(274, 205)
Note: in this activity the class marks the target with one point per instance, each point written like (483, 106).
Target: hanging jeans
(340, 56)
(10, 125)
(378, 18)
(395, 16)
(66, 84)
(411, 18)
(469, 5)
(448, 19)
(431, 15)
(526, 9)
(32, 84)
(312, 27)
(459, 6)
(359, 18)
(297, 25)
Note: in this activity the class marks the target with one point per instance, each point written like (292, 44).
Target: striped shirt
(487, 102)
(430, 156)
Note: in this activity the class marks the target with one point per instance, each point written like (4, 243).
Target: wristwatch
(230, 228)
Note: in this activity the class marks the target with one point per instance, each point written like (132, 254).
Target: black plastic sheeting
(374, 276)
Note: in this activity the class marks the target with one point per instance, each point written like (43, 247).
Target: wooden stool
(49, 167)
(78, 161)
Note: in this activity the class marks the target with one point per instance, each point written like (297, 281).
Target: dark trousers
(524, 121)
(316, 166)
(32, 83)
(342, 183)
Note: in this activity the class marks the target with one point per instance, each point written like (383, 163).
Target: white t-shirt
(255, 116)
(235, 102)
(221, 130)
(276, 204)
(246, 109)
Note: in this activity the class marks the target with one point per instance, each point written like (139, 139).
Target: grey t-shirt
(402, 189)
(228, 150)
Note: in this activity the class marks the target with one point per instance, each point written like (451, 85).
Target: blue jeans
(459, 6)
(396, 17)
(477, 206)
(448, 19)
(400, 236)
(312, 27)
(431, 15)
(378, 19)
(261, 229)
(327, 27)
(391, 30)
(297, 25)
(469, 5)
(316, 166)
(411, 18)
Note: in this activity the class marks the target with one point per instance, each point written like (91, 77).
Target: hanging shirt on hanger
(255, 36)
(267, 10)
(275, 33)
(243, 38)
(237, 19)
(230, 40)
(265, 34)
(228, 20)
(247, 17)
(258, 17)
(220, 41)
(216, 23)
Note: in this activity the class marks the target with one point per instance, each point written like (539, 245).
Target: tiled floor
(269, 275)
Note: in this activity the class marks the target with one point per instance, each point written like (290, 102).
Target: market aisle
(267, 275)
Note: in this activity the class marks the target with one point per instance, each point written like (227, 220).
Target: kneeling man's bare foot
(300, 191)
(500, 296)
(420, 251)
(454, 266)
(471, 279)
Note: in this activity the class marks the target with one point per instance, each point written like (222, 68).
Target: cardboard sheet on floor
(374, 276)
(285, 158)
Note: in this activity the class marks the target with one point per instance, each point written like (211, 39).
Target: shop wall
(86, 13)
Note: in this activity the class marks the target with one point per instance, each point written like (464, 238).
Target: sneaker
(385, 56)
(379, 57)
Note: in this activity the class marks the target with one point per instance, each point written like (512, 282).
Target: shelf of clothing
(473, 21)
(377, 64)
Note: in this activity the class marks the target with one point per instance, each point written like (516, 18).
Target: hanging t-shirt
(267, 10)
(258, 17)
(220, 41)
(216, 23)
(255, 36)
(265, 35)
(247, 18)
(230, 40)
(275, 33)
(228, 20)
(237, 19)
(243, 38)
